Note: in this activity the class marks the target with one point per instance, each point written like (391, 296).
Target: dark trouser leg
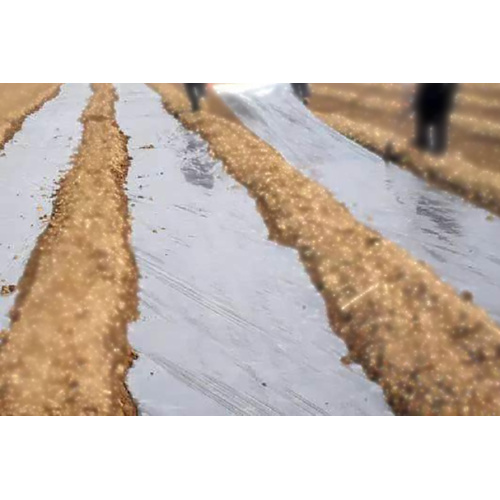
(422, 132)
(202, 89)
(192, 94)
(306, 91)
(301, 90)
(440, 134)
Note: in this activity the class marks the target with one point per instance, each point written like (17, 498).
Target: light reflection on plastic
(238, 88)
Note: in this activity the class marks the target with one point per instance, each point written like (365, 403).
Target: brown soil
(67, 351)
(432, 351)
(375, 114)
(17, 101)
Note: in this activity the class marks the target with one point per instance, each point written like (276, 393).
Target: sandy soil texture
(17, 101)
(433, 352)
(375, 114)
(67, 351)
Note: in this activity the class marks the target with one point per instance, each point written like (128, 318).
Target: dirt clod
(7, 289)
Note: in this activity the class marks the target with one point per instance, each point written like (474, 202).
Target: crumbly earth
(67, 351)
(17, 101)
(376, 114)
(432, 351)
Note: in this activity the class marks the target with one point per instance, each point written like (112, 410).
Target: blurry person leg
(192, 93)
(442, 118)
(305, 90)
(422, 131)
(440, 134)
(295, 89)
(202, 89)
(301, 91)
(306, 93)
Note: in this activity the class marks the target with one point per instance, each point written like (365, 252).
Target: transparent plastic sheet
(30, 167)
(230, 323)
(458, 240)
